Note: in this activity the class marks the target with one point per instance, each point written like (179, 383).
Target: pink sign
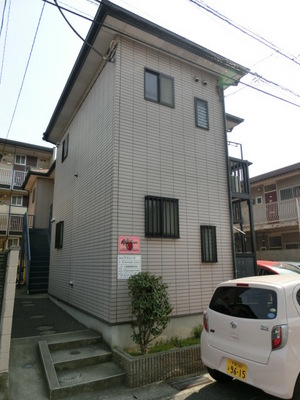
(129, 245)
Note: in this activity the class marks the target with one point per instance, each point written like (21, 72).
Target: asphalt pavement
(36, 316)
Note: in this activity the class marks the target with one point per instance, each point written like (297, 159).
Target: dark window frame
(204, 104)
(158, 96)
(59, 235)
(162, 217)
(209, 249)
(65, 148)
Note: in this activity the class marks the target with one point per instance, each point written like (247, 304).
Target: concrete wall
(6, 318)
(279, 255)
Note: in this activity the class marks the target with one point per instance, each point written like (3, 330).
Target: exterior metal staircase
(78, 362)
(38, 274)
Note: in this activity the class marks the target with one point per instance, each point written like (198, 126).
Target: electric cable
(5, 41)
(75, 31)
(244, 30)
(3, 14)
(24, 76)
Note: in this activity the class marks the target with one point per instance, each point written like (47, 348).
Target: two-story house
(142, 174)
(276, 210)
(16, 160)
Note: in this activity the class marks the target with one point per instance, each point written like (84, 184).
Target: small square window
(161, 217)
(159, 88)
(17, 200)
(21, 160)
(201, 113)
(208, 244)
(59, 234)
(65, 149)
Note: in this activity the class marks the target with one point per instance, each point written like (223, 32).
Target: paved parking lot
(234, 390)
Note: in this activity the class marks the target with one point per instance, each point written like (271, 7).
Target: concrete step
(82, 356)
(78, 362)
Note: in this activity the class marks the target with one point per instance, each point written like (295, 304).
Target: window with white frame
(290, 193)
(17, 200)
(159, 88)
(20, 159)
(258, 200)
(201, 113)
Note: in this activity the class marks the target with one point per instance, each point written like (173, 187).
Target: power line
(246, 31)
(5, 39)
(21, 88)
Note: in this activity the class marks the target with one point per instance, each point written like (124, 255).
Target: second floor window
(201, 113)
(159, 88)
(65, 148)
(21, 160)
(161, 217)
(17, 200)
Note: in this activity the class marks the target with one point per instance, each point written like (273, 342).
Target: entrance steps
(78, 362)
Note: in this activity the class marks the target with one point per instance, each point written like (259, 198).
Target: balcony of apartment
(11, 179)
(277, 214)
(12, 224)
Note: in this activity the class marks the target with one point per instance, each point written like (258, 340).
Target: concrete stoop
(79, 362)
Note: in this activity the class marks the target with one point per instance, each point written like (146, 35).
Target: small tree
(150, 308)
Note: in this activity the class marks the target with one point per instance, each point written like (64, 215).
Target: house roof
(33, 174)
(277, 172)
(109, 21)
(5, 144)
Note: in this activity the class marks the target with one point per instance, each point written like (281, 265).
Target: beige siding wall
(43, 201)
(162, 153)
(123, 148)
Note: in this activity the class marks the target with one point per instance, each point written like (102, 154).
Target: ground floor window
(161, 217)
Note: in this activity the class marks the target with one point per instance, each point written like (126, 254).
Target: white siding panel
(123, 148)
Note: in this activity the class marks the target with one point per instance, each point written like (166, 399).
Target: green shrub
(150, 308)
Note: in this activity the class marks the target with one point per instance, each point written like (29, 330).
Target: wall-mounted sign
(128, 265)
(129, 245)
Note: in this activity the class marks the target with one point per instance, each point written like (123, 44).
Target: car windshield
(245, 302)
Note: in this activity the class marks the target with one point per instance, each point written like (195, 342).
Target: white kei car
(252, 333)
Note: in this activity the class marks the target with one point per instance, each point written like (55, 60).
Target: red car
(275, 268)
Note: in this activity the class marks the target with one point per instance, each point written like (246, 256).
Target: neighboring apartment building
(16, 159)
(276, 210)
(142, 177)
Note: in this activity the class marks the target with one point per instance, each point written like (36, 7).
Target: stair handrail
(25, 251)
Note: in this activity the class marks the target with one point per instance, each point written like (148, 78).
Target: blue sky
(270, 133)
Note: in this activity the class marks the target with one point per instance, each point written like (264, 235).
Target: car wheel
(297, 389)
(219, 376)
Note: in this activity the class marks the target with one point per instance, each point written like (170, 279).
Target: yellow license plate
(236, 369)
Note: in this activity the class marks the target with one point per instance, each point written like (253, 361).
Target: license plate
(236, 369)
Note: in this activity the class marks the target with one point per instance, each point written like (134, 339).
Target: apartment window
(161, 217)
(159, 88)
(17, 200)
(275, 243)
(258, 200)
(65, 149)
(290, 193)
(208, 244)
(21, 160)
(59, 234)
(201, 113)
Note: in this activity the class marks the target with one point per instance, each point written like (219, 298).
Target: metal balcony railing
(281, 212)
(9, 178)
(13, 223)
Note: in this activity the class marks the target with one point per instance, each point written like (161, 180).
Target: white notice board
(129, 265)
